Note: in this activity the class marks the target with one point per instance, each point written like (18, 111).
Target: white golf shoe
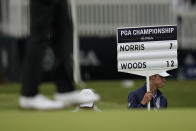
(75, 97)
(39, 102)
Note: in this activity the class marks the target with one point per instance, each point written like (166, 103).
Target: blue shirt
(135, 98)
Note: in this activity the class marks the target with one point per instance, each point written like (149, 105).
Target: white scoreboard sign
(147, 50)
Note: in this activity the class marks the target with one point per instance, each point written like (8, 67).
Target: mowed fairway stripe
(114, 120)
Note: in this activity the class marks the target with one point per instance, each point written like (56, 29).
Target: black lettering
(122, 48)
(142, 47)
(135, 65)
(136, 47)
(132, 47)
(167, 63)
(172, 63)
(171, 44)
(123, 65)
(144, 64)
(127, 47)
(139, 65)
(129, 65)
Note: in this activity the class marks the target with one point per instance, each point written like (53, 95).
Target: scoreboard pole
(148, 89)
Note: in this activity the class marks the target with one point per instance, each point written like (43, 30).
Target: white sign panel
(147, 50)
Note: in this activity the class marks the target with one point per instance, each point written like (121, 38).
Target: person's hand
(147, 97)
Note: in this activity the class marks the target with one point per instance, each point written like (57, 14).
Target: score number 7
(171, 44)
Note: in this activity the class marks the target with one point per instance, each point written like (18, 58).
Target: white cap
(87, 93)
(164, 74)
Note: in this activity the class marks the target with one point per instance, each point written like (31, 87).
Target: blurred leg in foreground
(50, 21)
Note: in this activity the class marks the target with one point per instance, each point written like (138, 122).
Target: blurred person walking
(50, 21)
(140, 98)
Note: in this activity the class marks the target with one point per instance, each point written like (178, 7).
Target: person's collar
(158, 93)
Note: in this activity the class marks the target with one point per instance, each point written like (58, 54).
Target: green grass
(180, 94)
(180, 115)
(108, 120)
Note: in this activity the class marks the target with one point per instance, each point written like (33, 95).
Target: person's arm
(133, 102)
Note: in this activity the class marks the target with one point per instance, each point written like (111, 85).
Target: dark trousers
(50, 20)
